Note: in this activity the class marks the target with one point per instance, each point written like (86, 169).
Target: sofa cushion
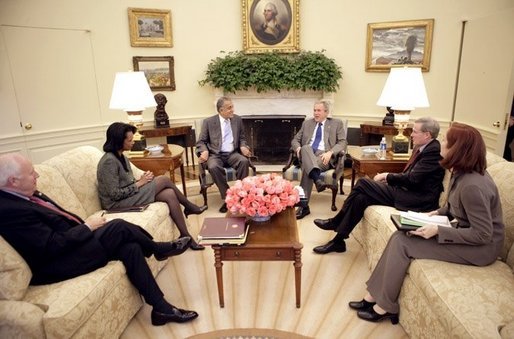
(468, 299)
(507, 331)
(52, 183)
(502, 174)
(15, 274)
(78, 168)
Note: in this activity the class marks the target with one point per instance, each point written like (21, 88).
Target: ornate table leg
(219, 273)
(298, 275)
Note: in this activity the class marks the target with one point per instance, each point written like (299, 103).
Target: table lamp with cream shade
(132, 94)
(403, 91)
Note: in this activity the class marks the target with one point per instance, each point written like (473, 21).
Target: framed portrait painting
(271, 25)
(150, 27)
(159, 71)
(399, 43)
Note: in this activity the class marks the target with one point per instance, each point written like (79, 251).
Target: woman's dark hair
(466, 150)
(115, 137)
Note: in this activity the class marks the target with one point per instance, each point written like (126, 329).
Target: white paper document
(440, 220)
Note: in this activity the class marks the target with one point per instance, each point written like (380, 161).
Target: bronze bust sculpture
(160, 115)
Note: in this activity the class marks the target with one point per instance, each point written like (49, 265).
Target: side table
(376, 128)
(184, 133)
(170, 160)
(274, 240)
(370, 165)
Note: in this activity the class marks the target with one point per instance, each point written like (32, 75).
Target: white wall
(203, 28)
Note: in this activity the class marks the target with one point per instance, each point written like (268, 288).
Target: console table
(376, 128)
(184, 133)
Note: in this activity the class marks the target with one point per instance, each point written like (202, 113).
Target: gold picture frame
(399, 43)
(150, 27)
(159, 71)
(282, 35)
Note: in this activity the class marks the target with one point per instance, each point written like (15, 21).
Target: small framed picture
(271, 25)
(399, 43)
(150, 27)
(158, 71)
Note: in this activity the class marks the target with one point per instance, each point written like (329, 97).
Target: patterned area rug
(249, 333)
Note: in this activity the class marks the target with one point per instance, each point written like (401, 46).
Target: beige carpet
(249, 333)
(262, 294)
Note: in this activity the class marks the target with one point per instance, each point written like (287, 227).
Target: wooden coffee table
(370, 165)
(170, 160)
(274, 240)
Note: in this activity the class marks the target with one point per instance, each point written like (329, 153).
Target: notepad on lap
(420, 219)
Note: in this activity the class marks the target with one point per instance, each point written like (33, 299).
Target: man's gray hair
(221, 102)
(429, 125)
(9, 167)
(326, 105)
(273, 8)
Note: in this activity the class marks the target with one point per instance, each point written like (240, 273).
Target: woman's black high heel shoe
(371, 315)
(200, 210)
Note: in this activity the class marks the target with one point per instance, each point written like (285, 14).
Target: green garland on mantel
(236, 71)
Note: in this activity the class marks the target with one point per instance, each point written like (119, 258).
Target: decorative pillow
(15, 274)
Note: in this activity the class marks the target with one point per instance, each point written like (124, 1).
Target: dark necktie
(317, 138)
(413, 157)
(54, 208)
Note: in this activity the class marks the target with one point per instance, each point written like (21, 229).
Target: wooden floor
(261, 294)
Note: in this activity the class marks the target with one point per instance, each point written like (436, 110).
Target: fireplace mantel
(275, 103)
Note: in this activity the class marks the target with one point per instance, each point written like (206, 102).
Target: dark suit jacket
(54, 247)
(422, 183)
(210, 135)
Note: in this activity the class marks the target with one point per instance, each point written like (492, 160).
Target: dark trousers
(365, 193)
(216, 165)
(310, 160)
(130, 244)
(507, 153)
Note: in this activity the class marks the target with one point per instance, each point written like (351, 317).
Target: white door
(486, 83)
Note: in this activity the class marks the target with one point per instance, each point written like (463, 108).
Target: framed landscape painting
(271, 25)
(158, 71)
(399, 43)
(150, 27)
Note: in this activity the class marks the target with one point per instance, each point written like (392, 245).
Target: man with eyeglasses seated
(417, 188)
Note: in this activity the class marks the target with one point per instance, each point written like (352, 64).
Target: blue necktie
(317, 138)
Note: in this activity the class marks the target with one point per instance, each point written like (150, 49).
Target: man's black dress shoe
(177, 247)
(177, 315)
(200, 210)
(331, 246)
(371, 315)
(196, 246)
(325, 224)
(223, 208)
(361, 305)
(302, 212)
(320, 185)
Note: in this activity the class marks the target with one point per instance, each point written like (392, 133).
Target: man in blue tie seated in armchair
(221, 144)
(315, 143)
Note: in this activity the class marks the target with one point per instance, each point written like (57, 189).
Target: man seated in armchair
(221, 144)
(317, 140)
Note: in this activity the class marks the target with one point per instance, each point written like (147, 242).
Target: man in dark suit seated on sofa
(317, 140)
(417, 188)
(221, 144)
(58, 245)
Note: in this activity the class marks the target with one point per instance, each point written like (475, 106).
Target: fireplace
(269, 136)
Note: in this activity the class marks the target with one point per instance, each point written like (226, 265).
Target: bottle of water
(383, 148)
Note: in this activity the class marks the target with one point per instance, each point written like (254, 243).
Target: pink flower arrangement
(261, 195)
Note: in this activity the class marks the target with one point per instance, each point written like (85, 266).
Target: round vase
(260, 218)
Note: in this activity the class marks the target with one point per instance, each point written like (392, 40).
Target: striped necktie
(54, 208)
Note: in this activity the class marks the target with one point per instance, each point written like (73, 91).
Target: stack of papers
(419, 219)
(221, 231)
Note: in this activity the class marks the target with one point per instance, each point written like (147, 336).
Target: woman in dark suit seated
(117, 186)
(475, 239)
